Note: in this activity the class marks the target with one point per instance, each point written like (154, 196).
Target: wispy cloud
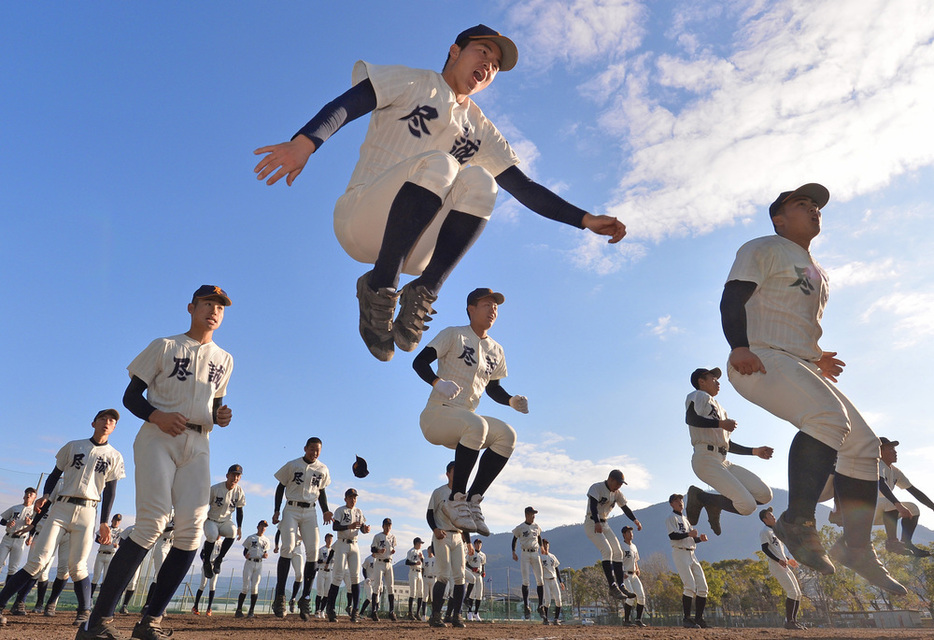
(663, 328)
(912, 312)
(857, 273)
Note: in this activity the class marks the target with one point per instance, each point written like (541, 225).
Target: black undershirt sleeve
(422, 364)
(51, 481)
(629, 513)
(359, 100)
(592, 508)
(135, 401)
(736, 294)
(885, 491)
(278, 537)
(514, 544)
(539, 199)
(695, 420)
(430, 516)
(280, 491)
(920, 497)
(323, 501)
(218, 402)
(240, 518)
(768, 552)
(740, 449)
(107, 500)
(677, 536)
(495, 390)
(340, 527)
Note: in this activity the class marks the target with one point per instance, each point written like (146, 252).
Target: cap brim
(816, 192)
(510, 53)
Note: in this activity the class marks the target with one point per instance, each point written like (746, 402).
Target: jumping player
(449, 543)
(185, 380)
(740, 489)
(325, 560)
(771, 308)
(601, 498)
(780, 566)
(888, 512)
(633, 582)
(684, 539)
(226, 498)
(426, 181)
(209, 583)
(469, 363)
(530, 533)
(255, 550)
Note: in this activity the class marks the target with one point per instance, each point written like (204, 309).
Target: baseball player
(530, 533)
(553, 583)
(449, 544)
(740, 489)
(426, 181)
(302, 482)
(431, 576)
(255, 550)
(185, 380)
(469, 363)
(325, 562)
(780, 566)
(771, 308)
(601, 498)
(368, 568)
(13, 543)
(209, 583)
(348, 522)
(298, 564)
(888, 512)
(633, 582)
(383, 548)
(105, 552)
(134, 579)
(89, 470)
(226, 497)
(684, 539)
(476, 571)
(415, 561)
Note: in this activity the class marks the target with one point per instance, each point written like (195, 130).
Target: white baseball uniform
(383, 577)
(530, 560)
(13, 545)
(105, 554)
(605, 541)
(431, 574)
(894, 478)
(182, 375)
(552, 591)
(416, 572)
(709, 462)
(64, 544)
(210, 584)
(323, 577)
(476, 565)
(418, 133)
(346, 550)
(471, 362)
(783, 326)
(298, 560)
(784, 575)
(255, 547)
(368, 566)
(682, 551)
(450, 553)
(221, 506)
(303, 483)
(630, 562)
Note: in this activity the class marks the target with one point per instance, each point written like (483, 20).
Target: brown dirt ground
(264, 627)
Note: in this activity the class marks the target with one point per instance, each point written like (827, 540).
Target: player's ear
(191, 307)
(454, 52)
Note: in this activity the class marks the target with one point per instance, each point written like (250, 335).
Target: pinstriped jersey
(550, 566)
(256, 546)
(416, 112)
(767, 536)
(87, 467)
(182, 375)
(303, 481)
(677, 523)
(346, 516)
(630, 555)
(893, 477)
(706, 406)
(323, 554)
(468, 360)
(476, 560)
(788, 303)
(384, 544)
(16, 517)
(224, 502)
(528, 535)
(605, 498)
(417, 558)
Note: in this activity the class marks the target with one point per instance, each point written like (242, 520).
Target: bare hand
(638, 524)
(327, 517)
(902, 510)
(692, 533)
(286, 159)
(703, 537)
(605, 226)
(440, 534)
(829, 366)
(519, 403)
(515, 557)
(239, 533)
(275, 550)
(171, 423)
(103, 533)
(745, 361)
(783, 563)
(764, 452)
(275, 518)
(792, 563)
(224, 414)
(728, 425)
(40, 502)
(597, 527)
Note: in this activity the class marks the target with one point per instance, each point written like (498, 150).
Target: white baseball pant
(65, 518)
(298, 566)
(159, 552)
(737, 483)
(786, 578)
(61, 569)
(450, 557)
(634, 584)
(605, 541)
(209, 584)
(346, 560)
(214, 529)
(101, 565)
(323, 582)
(531, 561)
(383, 578)
(474, 578)
(691, 572)
(299, 525)
(449, 426)
(12, 549)
(416, 584)
(552, 592)
(252, 572)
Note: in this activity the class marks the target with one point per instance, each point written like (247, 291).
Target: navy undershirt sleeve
(695, 420)
(50, 482)
(885, 491)
(430, 516)
(740, 449)
(538, 198)
(736, 294)
(592, 508)
(921, 497)
(768, 552)
(422, 364)
(107, 500)
(495, 390)
(135, 401)
(323, 501)
(280, 491)
(629, 513)
(357, 101)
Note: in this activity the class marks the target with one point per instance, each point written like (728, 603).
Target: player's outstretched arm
(604, 225)
(286, 159)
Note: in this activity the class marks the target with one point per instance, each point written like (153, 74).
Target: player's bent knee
(436, 171)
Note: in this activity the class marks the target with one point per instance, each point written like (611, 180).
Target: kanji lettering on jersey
(804, 280)
(101, 465)
(490, 364)
(215, 373)
(181, 370)
(418, 120)
(464, 149)
(298, 477)
(468, 356)
(78, 461)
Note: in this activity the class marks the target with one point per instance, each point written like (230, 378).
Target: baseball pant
(12, 550)
(416, 584)
(61, 569)
(383, 578)
(214, 529)
(476, 580)
(882, 503)
(634, 584)
(360, 214)
(101, 564)
(450, 557)
(531, 562)
(786, 578)
(252, 572)
(171, 471)
(741, 486)
(159, 552)
(298, 564)
(323, 582)
(65, 518)
(552, 592)
(794, 390)
(299, 526)
(346, 560)
(429, 586)
(450, 426)
(209, 584)
(605, 541)
(691, 572)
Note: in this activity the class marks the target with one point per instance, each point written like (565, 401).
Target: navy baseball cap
(483, 32)
(351, 492)
(211, 291)
(700, 373)
(359, 468)
(675, 496)
(418, 541)
(617, 475)
(113, 413)
(885, 441)
(484, 292)
(235, 468)
(816, 192)
(530, 510)
(763, 513)
(262, 523)
(387, 521)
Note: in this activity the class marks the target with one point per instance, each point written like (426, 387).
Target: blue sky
(127, 182)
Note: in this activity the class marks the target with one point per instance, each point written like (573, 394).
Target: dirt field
(189, 627)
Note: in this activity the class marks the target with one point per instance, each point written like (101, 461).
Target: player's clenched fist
(745, 361)
(447, 388)
(224, 414)
(171, 423)
(519, 403)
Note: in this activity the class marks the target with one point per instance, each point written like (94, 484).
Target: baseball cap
(262, 523)
(625, 529)
(211, 291)
(763, 512)
(387, 521)
(617, 475)
(675, 496)
(484, 292)
(418, 541)
(235, 468)
(113, 413)
(816, 192)
(886, 441)
(507, 46)
(359, 468)
(351, 492)
(700, 373)
(530, 510)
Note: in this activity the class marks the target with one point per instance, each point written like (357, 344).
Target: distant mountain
(740, 539)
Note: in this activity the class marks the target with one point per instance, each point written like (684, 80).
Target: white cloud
(857, 273)
(913, 313)
(664, 327)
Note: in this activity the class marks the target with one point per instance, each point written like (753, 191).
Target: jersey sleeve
(390, 82)
(117, 470)
(620, 499)
(517, 532)
(148, 364)
(764, 536)
(701, 400)
(443, 341)
(672, 524)
(284, 475)
(754, 262)
(240, 502)
(63, 457)
(901, 480)
(495, 155)
(222, 387)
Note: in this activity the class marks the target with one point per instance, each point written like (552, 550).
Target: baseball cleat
(693, 503)
(376, 309)
(700, 622)
(50, 610)
(250, 615)
(687, 623)
(304, 607)
(332, 615)
(415, 312)
(374, 616)
(207, 568)
(150, 628)
(124, 610)
(436, 621)
(803, 542)
(458, 513)
(899, 547)
(37, 609)
(3, 620)
(556, 622)
(639, 623)
(392, 616)
(238, 613)
(457, 622)
(81, 617)
(615, 592)
(627, 623)
(713, 517)
(103, 630)
(208, 613)
(278, 606)
(354, 617)
(527, 612)
(217, 565)
(195, 611)
(865, 562)
(794, 626)
(917, 551)
(18, 609)
(477, 516)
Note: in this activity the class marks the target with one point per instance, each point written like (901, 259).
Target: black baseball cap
(387, 521)
(675, 496)
(351, 492)
(484, 292)
(418, 541)
(481, 32)
(211, 291)
(816, 192)
(886, 441)
(617, 475)
(359, 468)
(113, 413)
(235, 468)
(700, 373)
(764, 512)
(530, 510)
(262, 523)
(625, 529)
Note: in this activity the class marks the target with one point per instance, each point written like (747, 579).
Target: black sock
(13, 584)
(540, 590)
(457, 595)
(789, 609)
(176, 565)
(410, 605)
(253, 597)
(890, 521)
(126, 561)
(355, 596)
(240, 599)
(908, 528)
(58, 585)
(437, 597)
(93, 589)
(469, 590)
(308, 578)
(464, 460)
(83, 593)
(392, 602)
(225, 547)
(525, 595)
(411, 212)
(618, 573)
(458, 233)
(295, 587)
(795, 613)
(420, 607)
(639, 609)
(366, 603)
(557, 612)
(858, 505)
(718, 500)
(210, 599)
(207, 551)
(627, 611)
(332, 597)
(282, 575)
(41, 588)
(198, 598)
(127, 596)
(686, 602)
(810, 463)
(699, 602)
(491, 463)
(608, 572)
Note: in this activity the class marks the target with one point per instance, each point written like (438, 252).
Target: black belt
(106, 553)
(16, 537)
(631, 572)
(303, 505)
(84, 502)
(382, 560)
(720, 450)
(194, 427)
(255, 559)
(348, 540)
(530, 551)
